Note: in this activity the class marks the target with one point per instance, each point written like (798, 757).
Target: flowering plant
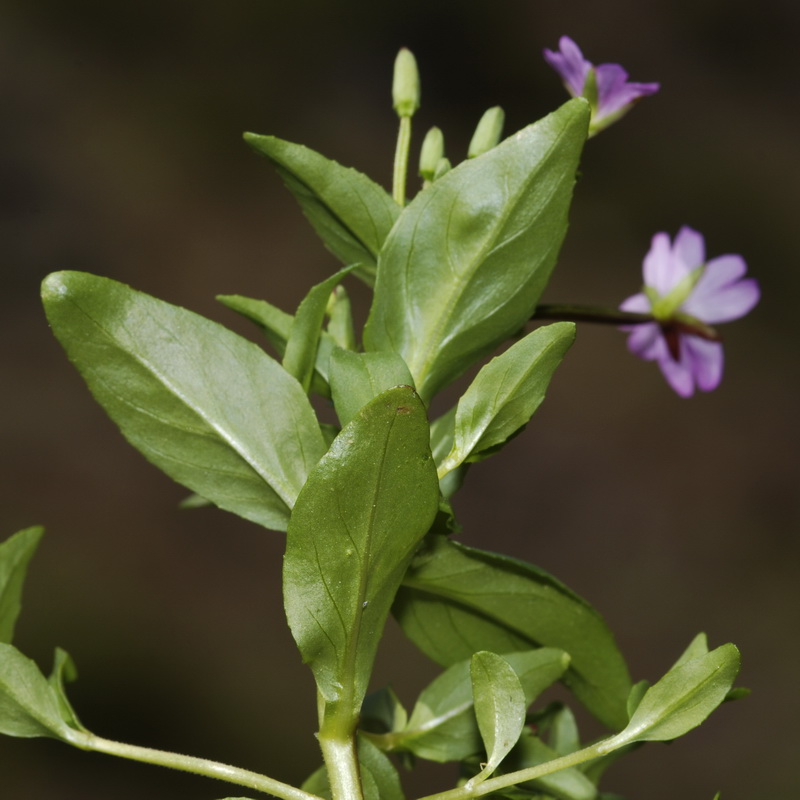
(365, 501)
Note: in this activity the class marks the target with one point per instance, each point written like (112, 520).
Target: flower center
(665, 307)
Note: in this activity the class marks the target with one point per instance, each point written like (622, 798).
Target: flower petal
(570, 64)
(647, 342)
(728, 303)
(689, 248)
(705, 360)
(658, 266)
(678, 375)
(615, 93)
(720, 271)
(719, 295)
(612, 91)
(637, 303)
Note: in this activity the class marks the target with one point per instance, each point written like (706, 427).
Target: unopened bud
(443, 167)
(431, 153)
(488, 132)
(405, 86)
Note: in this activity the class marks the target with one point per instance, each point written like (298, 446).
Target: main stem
(337, 739)
(341, 760)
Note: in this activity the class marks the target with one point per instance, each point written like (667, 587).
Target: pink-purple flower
(686, 295)
(606, 86)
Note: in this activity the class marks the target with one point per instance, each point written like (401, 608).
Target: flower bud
(405, 86)
(442, 168)
(431, 153)
(488, 132)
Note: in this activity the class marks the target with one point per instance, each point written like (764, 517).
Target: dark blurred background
(120, 154)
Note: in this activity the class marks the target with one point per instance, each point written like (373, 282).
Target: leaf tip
(54, 286)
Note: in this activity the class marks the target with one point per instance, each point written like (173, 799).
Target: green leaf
(353, 532)
(466, 262)
(64, 670)
(276, 325)
(379, 769)
(457, 600)
(683, 698)
(28, 704)
(638, 691)
(209, 408)
(301, 348)
(499, 708)
(357, 378)
(564, 737)
(566, 784)
(443, 727)
(340, 326)
(350, 212)
(382, 712)
(442, 437)
(379, 778)
(697, 647)
(505, 394)
(193, 501)
(15, 553)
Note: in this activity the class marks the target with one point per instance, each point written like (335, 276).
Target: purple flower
(606, 86)
(686, 295)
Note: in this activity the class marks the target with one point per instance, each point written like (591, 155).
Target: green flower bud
(431, 153)
(444, 166)
(405, 86)
(488, 132)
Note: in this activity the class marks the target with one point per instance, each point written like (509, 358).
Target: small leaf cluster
(365, 503)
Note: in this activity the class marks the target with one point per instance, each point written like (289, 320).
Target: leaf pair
(461, 268)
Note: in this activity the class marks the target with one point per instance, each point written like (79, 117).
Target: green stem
(607, 316)
(341, 760)
(467, 791)
(198, 766)
(401, 161)
(612, 316)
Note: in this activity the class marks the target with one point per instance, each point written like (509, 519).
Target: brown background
(120, 153)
